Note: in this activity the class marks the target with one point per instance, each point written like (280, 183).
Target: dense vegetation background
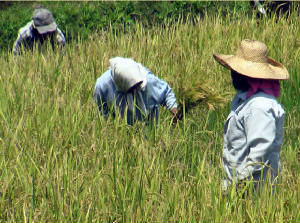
(85, 18)
(60, 160)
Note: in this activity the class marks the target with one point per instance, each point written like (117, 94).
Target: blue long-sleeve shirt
(252, 137)
(157, 92)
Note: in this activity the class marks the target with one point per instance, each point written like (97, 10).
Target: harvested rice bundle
(190, 96)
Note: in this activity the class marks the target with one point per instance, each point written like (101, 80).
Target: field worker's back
(252, 137)
(109, 96)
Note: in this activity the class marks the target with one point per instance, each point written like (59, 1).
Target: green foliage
(86, 18)
(10, 23)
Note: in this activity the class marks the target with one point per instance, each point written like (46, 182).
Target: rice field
(61, 161)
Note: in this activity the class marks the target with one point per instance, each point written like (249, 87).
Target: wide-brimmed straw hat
(251, 59)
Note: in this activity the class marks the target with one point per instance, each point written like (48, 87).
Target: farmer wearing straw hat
(133, 91)
(254, 128)
(42, 28)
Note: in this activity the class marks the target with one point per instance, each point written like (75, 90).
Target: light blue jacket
(252, 137)
(157, 92)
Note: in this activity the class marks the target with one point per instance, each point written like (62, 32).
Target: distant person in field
(254, 128)
(41, 29)
(132, 90)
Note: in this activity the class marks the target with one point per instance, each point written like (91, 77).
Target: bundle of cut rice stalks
(199, 93)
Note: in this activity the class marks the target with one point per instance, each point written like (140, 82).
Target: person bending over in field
(132, 90)
(40, 29)
(254, 128)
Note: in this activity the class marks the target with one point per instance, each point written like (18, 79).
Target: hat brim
(126, 73)
(269, 70)
(143, 77)
(138, 77)
(46, 29)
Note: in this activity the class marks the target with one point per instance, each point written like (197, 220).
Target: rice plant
(62, 161)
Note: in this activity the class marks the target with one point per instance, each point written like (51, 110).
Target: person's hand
(175, 113)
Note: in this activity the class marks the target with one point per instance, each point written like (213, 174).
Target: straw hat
(251, 59)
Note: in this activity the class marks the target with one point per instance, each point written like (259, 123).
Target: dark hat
(43, 21)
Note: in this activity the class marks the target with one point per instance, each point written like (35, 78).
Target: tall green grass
(60, 160)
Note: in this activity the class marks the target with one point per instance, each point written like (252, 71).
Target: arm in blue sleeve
(17, 45)
(60, 37)
(163, 92)
(24, 34)
(100, 97)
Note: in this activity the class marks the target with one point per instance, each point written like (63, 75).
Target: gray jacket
(252, 137)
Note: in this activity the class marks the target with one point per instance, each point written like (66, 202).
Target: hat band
(47, 28)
